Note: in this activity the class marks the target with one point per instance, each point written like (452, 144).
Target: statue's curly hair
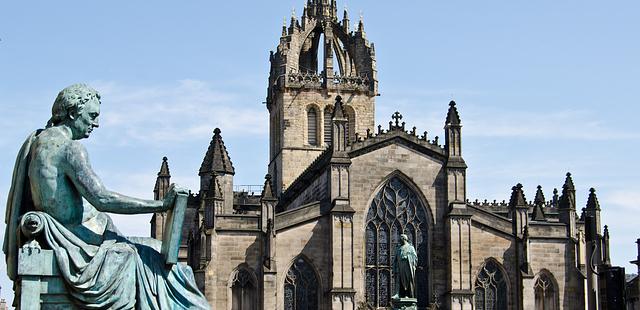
(71, 98)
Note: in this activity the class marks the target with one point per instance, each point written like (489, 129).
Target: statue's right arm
(79, 171)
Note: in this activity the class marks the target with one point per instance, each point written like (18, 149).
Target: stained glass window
(243, 291)
(545, 293)
(301, 287)
(491, 288)
(395, 210)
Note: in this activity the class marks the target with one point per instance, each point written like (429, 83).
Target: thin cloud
(187, 110)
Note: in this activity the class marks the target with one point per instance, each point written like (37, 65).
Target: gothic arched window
(546, 292)
(328, 113)
(395, 210)
(243, 291)
(491, 287)
(301, 287)
(312, 126)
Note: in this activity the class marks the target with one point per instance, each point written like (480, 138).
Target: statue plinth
(404, 303)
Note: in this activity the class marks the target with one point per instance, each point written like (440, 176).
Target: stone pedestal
(40, 286)
(404, 303)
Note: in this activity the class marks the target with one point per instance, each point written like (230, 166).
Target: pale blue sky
(543, 87)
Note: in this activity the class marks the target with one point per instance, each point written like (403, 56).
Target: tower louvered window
(301, 287)
(312, 127)
(491, 288)
(327, 126)
(395, 210)
(545, 293)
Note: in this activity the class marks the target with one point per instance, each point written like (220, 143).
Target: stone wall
(231, 250)
(296, 153)
(310, 240)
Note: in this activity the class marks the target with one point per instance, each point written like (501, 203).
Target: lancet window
(312, 126)
(301, 287)
(328, 112)
(395, 210)
(491, 287)
(243, 291)
(545, 292)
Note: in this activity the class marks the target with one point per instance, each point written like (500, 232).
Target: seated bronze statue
(53, 181)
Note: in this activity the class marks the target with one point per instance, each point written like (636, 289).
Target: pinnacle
(217, 158)
(338, 110)
(517, 197)
(453, 118)
(539, 200)
(267, 190)
(164, 168)
(592, 201)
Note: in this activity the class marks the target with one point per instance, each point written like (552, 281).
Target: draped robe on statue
(405, 268)
(107, 271)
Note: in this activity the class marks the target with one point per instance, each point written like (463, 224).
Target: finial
(217, 131)
(165, 159)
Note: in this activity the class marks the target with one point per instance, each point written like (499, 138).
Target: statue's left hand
(170, 196)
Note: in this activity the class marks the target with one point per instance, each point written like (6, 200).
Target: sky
(543, 88)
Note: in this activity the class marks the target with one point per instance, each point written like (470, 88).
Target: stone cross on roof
(397, 117)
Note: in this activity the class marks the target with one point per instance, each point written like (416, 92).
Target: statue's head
(404, 238)
(78, 107)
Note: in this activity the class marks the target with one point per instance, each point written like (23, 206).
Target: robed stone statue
(404, 268)
(101, 268)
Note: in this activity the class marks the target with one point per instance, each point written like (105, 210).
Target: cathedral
(339, 190)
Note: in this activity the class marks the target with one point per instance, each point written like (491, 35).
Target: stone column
(342, 285)
(458, 231)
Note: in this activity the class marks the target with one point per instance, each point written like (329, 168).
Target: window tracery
(545, 292)
(394, 210)
(243, 291)
(301, 287)
(491, 288)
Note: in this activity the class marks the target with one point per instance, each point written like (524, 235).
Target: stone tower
(318, 58)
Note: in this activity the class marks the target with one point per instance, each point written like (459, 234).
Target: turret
(594, 249)
(567, 206)
(453, 137)
(456, 166)
(345, 19)
(268, 203)
(216, 161)
(593, 210)
(163, 182)
(518, 211)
